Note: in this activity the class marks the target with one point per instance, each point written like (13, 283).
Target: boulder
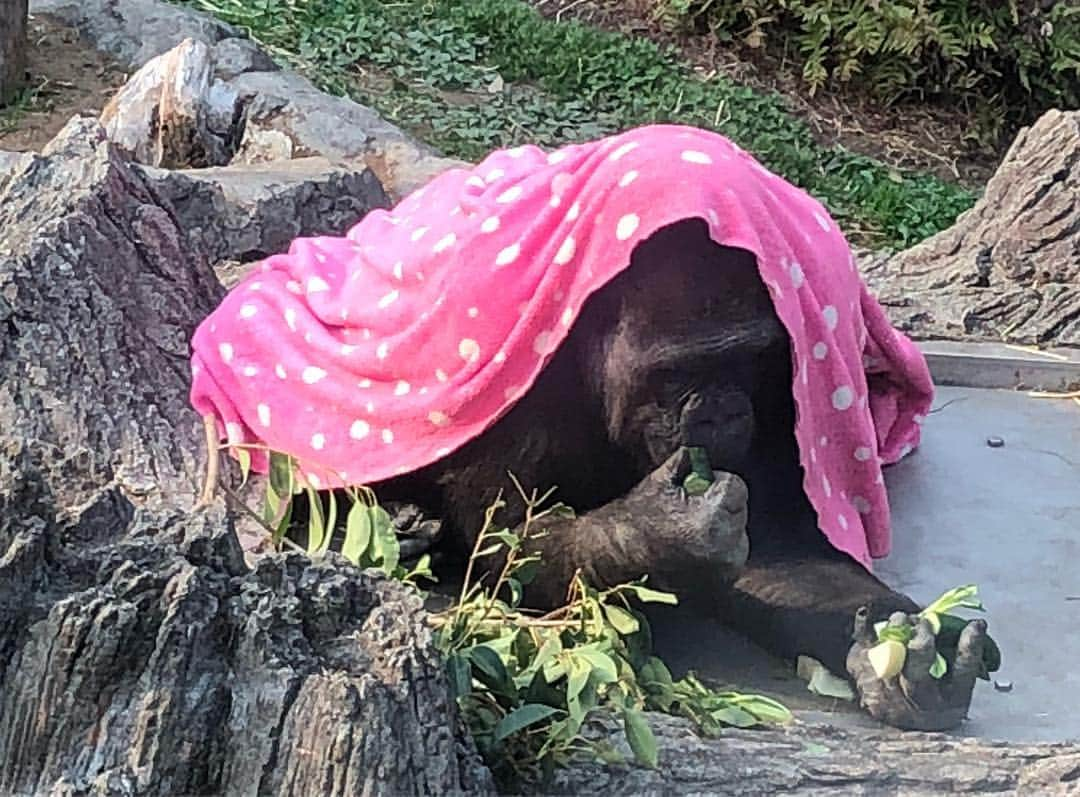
(242, 213)
(171, 114)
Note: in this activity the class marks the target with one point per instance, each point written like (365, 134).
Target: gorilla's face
(695, 355)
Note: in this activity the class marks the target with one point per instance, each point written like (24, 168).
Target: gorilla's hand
(913, 699)
(686, 533)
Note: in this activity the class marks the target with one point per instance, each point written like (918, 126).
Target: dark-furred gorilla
(683, 349)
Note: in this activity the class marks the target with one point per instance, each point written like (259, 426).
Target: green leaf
(897, 633)
(965, 597)
(281, 473)
(522, 717)
(621, 620)
(316, 525)
(733, 715)
(515, 592)
(647, 595)
(601, 664)
(491, 671)
(560, 512)
(939, 667)
(460, 673)
(656, 672)
(243, 456)
(699, 463)
(508, 538)
(578, 675)
(695, 485)
(357, 533)
(526, 569)
(331, 522)
(764, 708)
(641, 738)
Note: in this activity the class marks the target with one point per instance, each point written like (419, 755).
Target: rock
(9, 161)
(138, 653)
(164, 115)
(284, 116)
(1009, 269)
(287, 117)
(246, 212)
(234, 57)
(134, 31)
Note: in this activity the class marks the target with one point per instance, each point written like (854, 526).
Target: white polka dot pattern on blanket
(386, 349)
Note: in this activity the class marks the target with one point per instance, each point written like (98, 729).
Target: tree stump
(12, 48)
(1009, 269)
(139, 655)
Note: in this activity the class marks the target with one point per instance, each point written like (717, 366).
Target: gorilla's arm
(656, 529)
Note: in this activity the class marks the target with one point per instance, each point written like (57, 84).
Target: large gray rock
(171, 113)
(246, 212)
(1009, 269)
(286, 116)
(134, 31)
(138, 653)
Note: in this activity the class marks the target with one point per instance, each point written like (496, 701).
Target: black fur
(682, 349)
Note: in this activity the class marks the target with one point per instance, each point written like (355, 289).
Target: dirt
(66, 77)
(920, 137)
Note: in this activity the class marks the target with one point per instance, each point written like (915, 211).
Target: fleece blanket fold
(373, 354)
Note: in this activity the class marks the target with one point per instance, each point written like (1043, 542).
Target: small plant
(528, 686)
(532, 688)
(1006, 62)
(888, 656)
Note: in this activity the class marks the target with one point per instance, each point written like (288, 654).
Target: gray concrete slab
(1007, 519)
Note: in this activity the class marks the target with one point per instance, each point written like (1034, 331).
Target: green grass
(468, 76)
(27, 100)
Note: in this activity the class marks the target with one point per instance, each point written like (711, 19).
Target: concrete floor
(1006, 519)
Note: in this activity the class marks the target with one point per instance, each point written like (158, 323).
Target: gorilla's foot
(913, 698)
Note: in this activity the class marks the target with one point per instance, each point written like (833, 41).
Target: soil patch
(925, 138)
(67, 77)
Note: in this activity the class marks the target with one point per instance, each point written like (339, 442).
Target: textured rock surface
(287, 117)
(243, 212)
(134, 31)
(816, 759)
(138, 654)
(1009, 269)
(164, 115)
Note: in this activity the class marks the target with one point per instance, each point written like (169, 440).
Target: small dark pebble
(995, 442)
(1003, 686)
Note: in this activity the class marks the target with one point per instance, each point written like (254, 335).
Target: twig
(213, 462)
(243, 507)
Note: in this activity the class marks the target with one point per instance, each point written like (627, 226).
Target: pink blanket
(379, 352)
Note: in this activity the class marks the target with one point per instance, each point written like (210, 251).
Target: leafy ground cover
(471, 75)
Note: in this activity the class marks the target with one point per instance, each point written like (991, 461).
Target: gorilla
(683, 349)
(674, 346)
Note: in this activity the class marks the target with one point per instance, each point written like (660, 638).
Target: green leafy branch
(533, 688)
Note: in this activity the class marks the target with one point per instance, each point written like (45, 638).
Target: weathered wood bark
(12, 48)
(1009, 269)
(138, 654)
(813, 760)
